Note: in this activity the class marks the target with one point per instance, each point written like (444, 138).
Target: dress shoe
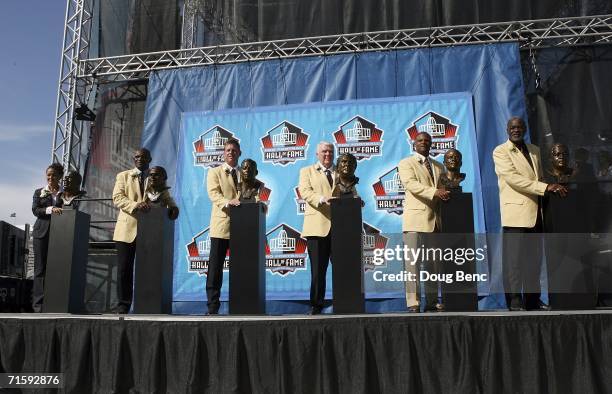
(434, 308)
(315, 310)
(212, 312)
(121, 310)
(516, 305)
(542, 307)
(414, 309)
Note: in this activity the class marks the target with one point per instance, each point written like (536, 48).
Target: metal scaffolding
(72, 90)
(575, 31)
(79, 74)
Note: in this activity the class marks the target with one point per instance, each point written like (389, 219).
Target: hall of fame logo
(208, 148)
(359, 137)
(443, 133)
(198, 253)
(389, 192)
(285, 250)
(284, 144)
(372, 239)
(264, 194)
(299, 201)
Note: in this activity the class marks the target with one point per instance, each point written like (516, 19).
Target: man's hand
(235, 202)
(442, 194)
(557, 189)
(326, 200)
(143, 207)
(56, 211)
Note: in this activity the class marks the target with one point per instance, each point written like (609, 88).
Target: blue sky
(31, 33)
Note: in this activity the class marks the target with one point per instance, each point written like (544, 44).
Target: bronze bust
(72, 190)
(346, 181)
(560, 170)
(156, 188)
(452, 178)
(249, 186)
(156, 183)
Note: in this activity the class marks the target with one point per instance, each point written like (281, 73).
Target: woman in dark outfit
(46, 202)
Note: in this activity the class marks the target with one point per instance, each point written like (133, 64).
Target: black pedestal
(247, 272)
(154, 255)
(458, 232)
(65, 275)
(569, 257)
(347, 256)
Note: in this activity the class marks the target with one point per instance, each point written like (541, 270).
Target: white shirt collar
(421, 157)
(46, 191)
(136, 172)
(228, 168)
(321, 167)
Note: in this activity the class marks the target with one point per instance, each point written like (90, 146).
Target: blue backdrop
(283, 139)
(491, 73)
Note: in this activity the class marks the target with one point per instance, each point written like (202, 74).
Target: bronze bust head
(345, 167)
(156, 184)
(72, 189)
(452, 178)
(157, 179)
(560, 170)
(249, 186)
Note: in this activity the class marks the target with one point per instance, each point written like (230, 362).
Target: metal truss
(590, 30)
(190, 15)
(78, 74)
(72, 91)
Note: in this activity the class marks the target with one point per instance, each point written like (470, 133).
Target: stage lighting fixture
(82, 112)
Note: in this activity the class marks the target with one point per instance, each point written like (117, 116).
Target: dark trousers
(41, 247)
(319, 252)
(125, 274)
(214, 278)
(522, 258)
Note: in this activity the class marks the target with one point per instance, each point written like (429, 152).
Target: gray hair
(512, 118)
(324, 143)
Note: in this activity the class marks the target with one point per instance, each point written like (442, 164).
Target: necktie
(141, 182)
(428, 166)
(329, 177)
(234, 178)
(525, 152)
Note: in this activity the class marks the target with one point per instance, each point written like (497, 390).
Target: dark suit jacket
(39, 207)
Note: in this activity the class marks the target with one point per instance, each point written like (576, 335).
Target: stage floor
(271, 318)
(475, 352)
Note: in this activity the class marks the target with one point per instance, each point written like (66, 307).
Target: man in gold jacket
(222, 184)
(419, 175)
(129, 197)
(519, 171)
(316, 184)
